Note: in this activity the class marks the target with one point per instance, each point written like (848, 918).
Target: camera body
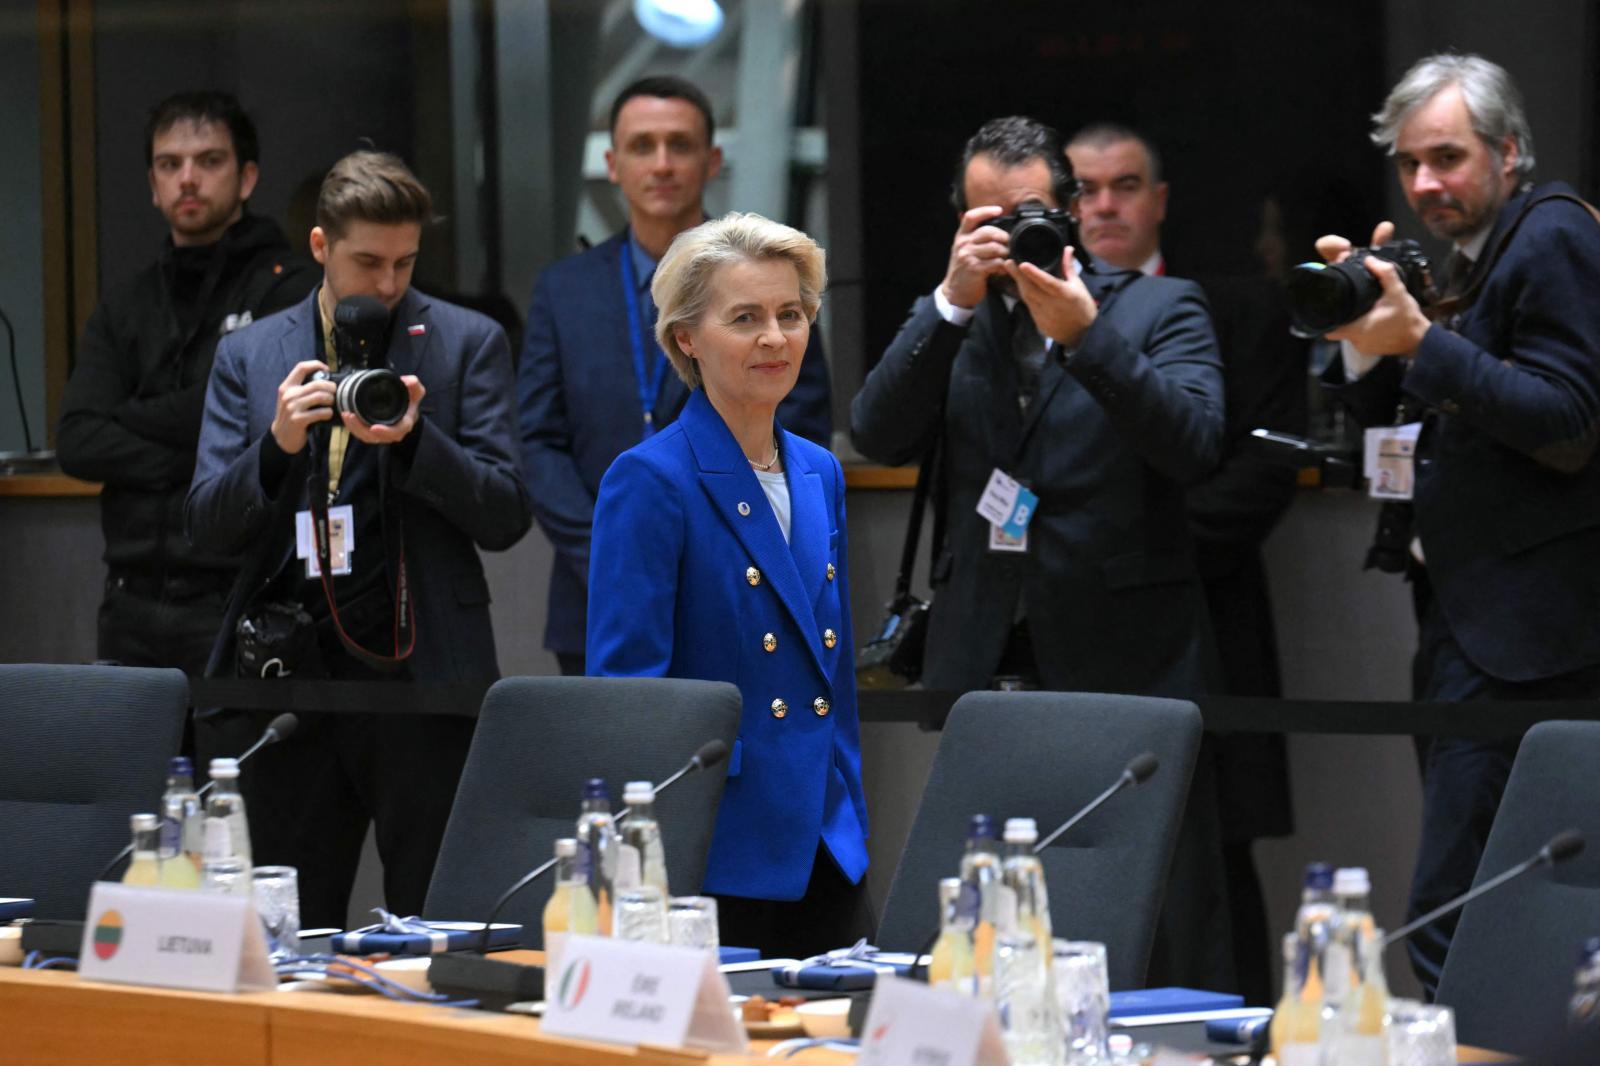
(377, 396)
(1325, 296)
(1039, 233)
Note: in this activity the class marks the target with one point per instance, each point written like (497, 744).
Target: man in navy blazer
(1506, 382)
(423, 495)
(592, 382)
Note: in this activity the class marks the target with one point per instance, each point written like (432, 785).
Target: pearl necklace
(770, 463)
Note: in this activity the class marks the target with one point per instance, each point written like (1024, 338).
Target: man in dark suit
(419, 497)
(1100, 392)
(1506, 382)
(1231, 511)
(592, 382)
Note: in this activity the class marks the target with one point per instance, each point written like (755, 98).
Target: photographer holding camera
(363, 498)
(1504, 376)
(1100, 393)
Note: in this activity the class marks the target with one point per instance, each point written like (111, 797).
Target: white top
(776, 486)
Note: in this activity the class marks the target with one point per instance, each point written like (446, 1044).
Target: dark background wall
(1237, 111)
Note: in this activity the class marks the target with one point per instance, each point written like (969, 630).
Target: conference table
(57, 1018)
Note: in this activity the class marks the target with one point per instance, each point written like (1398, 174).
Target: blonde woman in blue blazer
(719, 553)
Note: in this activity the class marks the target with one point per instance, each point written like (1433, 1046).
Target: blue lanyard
(648, 390)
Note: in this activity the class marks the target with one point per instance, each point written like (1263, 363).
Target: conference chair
(1509, 971)
(538, 740)
(85, 748)
(1043, 755)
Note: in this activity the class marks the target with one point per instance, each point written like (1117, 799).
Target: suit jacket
(578, 409)
(1507, 492)
(462, 487)
(1108, 582)
(691, 577)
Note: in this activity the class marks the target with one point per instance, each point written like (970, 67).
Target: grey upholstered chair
(83, 748)
(1509, 971)
(538, 740)
(1043, 755)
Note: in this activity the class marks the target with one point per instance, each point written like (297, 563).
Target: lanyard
(648, 390)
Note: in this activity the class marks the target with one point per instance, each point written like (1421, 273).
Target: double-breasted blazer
(690, 576)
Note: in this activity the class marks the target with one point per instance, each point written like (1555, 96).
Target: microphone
(1137, 772)
(280, 728)
(710, 754)
(360, 332)
(1564, 845)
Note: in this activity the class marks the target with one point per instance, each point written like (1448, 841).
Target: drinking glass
(277, 896)
(640, 913)
(1083, 995)
(1420, 1034)
(692, 922)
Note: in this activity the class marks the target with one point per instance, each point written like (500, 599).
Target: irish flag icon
(108, 934)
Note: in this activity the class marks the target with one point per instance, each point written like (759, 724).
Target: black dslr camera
(373, 393)
(1324, 296)
(1039, 235)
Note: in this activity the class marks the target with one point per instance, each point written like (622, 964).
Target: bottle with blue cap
(1297, 1023)
(181, 829)
(597, 847)
(1583, 1010)
(980, 877)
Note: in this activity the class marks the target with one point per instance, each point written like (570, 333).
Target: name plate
(174, 939)
(626, 992)
(910, 1024)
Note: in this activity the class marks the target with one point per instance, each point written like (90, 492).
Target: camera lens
(1038, 241)
(1325, 296)
(377, 397)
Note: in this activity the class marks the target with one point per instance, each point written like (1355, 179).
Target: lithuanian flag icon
(108, 934)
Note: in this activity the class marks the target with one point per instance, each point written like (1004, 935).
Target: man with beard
(131, 414)
(1505, 379)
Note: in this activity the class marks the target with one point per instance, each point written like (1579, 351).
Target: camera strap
(1454, 305)
(405, 618)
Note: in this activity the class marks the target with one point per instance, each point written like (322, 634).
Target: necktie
(1027, 350)
(1456, 274)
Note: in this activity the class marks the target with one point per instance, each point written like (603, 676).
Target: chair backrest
(1509, 971)
(1044, 755)
(85, 747)
(538, 740)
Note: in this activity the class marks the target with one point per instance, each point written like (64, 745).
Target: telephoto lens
(377, 397)
(1325, 296)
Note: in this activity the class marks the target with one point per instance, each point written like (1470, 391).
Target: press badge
(1390, 460)
(341, 540)
(1009, 507)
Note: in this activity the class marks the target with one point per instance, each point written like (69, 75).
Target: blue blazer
(1507, 486)
(578, 409)
(690, 577)
(461, 489)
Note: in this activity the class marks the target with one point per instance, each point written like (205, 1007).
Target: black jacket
(131, 414)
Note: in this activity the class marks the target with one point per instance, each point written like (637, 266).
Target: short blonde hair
(682, 284)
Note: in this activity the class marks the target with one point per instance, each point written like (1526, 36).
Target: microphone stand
(1562, 846)
(494, 982)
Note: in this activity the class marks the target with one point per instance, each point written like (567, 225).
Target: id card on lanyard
(649, 384)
